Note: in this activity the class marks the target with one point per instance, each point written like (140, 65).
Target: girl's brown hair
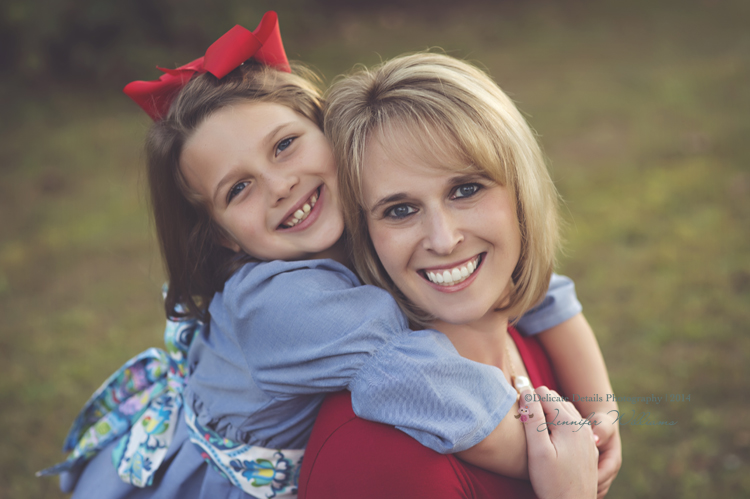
(197, 264)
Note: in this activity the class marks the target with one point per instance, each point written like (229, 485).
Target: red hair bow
(227, 53)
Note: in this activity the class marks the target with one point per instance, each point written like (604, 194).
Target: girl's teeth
(455, 275)
(302, 213)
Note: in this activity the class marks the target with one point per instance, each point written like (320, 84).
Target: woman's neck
(483, 340)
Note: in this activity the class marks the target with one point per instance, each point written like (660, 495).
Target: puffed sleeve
(315, 329)
(559, 305)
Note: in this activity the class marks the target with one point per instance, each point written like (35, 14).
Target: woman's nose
(443, 234)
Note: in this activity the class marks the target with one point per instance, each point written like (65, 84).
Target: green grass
(642, 111)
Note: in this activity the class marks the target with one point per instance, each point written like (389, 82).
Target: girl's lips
(312, 215)
(455, 273)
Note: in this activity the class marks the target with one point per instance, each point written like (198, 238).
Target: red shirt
(352, 458)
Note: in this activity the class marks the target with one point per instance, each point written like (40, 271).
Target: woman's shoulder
(347, 456)
(351, 457)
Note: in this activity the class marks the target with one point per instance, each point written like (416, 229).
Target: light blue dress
(281, 336)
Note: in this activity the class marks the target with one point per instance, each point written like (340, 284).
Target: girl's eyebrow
(269, 137)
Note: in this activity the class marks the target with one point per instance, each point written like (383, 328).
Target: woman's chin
(458, 317)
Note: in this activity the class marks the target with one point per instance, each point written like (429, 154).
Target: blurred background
(643, 109)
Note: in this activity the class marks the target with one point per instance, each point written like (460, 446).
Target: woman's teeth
(455, 275)
(302, 213)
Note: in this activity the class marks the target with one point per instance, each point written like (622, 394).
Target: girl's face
(448, 239)
(268, 176)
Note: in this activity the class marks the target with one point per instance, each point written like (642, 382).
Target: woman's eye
(284, 144)
(235, 190)
(465, 191)
(399, 211)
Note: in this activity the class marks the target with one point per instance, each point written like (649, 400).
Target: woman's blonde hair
(453, 108)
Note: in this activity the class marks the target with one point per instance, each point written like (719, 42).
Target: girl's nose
(280, 185)
(443, 234)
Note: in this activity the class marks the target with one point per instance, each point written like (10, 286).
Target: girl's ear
(224, 238)
(230, 244)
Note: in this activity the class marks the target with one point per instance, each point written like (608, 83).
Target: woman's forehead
(411, 143)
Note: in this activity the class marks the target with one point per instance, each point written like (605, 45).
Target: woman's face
(268, 176)
(448, 239)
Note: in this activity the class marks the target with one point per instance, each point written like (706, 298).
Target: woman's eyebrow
(399, 196)
(468, 178)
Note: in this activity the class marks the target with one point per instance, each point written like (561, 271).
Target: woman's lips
(453, 278)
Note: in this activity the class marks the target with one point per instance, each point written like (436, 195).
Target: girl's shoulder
(313, 287)
(315, 272)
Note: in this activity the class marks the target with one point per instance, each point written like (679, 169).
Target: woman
(451, 209)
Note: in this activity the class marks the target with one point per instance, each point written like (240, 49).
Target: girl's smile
(303, 211)
(446, 235)
(269, 179)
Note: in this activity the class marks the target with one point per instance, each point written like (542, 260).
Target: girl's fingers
(529, 405)
(553, 404)
(572, 409)
(562, 414)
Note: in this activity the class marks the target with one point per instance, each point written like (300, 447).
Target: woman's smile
(449, 279)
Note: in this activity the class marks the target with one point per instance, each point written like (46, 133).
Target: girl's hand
(610, 451)
(562, 453)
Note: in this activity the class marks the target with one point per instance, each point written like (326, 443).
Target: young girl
(245, 199)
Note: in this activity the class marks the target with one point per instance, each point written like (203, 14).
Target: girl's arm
(306, 328)
(582, 375)
(578, 364)
(503, 451)
(309, 328)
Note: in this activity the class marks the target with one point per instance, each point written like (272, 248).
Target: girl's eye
(284, 144)
(235, 190)
(400, 211)
(466, 191)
